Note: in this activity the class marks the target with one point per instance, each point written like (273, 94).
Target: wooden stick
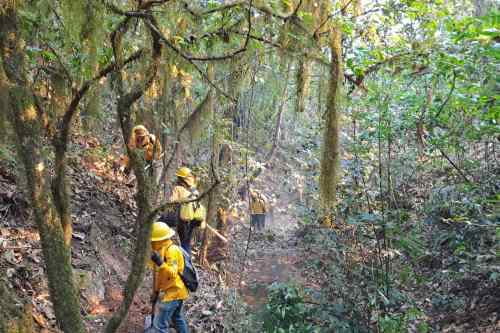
(216, 233)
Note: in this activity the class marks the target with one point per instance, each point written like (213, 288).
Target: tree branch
(236, 52)
(77, 97)
(447, 97)
(65, 70)
(182, 55)
(213, 10)
(190, 57)
(341, 10)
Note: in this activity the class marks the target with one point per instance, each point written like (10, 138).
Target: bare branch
(164, 206)
(78, 95)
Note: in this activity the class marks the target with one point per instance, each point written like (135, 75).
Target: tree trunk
(330, 162)
(60, 191)
(277, 129)
(145, 181)
(218, 248)
(303, 83)
(207, 237)
(28, 128)
(212, 196)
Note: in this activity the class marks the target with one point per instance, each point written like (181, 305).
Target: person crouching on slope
(168, 264)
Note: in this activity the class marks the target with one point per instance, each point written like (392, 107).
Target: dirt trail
(272, 255)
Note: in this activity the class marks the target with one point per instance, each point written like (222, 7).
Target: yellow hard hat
(183, 172)
(140, 131)
(161, 231)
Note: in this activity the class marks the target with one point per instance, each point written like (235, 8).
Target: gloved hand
(156, 258)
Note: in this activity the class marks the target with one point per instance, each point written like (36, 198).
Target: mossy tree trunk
(330, 161)
(145, 180)
(303, 81)
(28, 127)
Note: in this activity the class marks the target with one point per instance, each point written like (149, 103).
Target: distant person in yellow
(167, 262)
(258, 210)
(191, 215)
(140, 138)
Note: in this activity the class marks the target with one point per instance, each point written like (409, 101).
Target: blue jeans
(171, 311)
(258, 221)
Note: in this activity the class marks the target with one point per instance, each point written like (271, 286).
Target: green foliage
(74, 15)
(287, 311)
(399, 323)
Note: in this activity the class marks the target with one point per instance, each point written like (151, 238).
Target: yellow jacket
(257, 205)
(167, 277)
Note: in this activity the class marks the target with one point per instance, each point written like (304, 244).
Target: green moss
(303, 83)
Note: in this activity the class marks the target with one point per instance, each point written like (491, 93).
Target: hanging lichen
(92, 110)
(196, 120)
(352, 7)
(330, 161)
(74, 14)
(92, 34)
(238, 67)
(60, 93)
(287, 6)
(303, 81)
(8, 4)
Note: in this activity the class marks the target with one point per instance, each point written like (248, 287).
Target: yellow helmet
(183, 172)
(140, 131)
(161, 231)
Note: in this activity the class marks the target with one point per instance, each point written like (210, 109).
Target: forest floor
(272, 255)
(103, 213)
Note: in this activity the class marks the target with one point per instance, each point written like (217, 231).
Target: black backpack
(189, 275)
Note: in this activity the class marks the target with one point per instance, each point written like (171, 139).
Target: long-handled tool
(216, 233)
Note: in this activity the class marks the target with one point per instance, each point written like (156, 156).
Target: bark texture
(28, 127)
(330, 161)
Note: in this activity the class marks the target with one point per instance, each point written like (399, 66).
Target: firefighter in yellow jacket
(140, 138)
(258, 210)
(168, 263)
(185, 189)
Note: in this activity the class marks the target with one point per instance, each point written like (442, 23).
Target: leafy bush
(286, 310)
